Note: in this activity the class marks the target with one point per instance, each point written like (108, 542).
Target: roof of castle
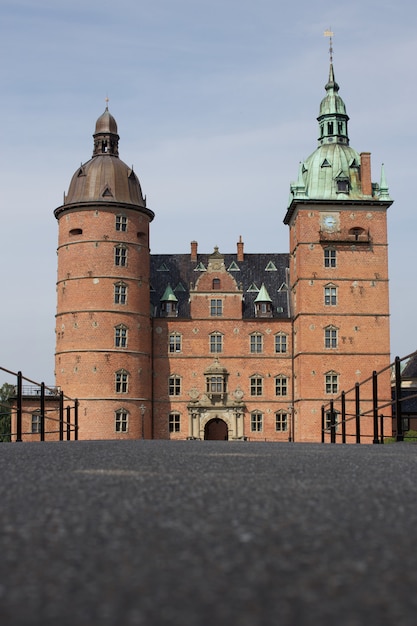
(181, 273)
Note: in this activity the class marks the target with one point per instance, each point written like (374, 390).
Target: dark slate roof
(410, 370)
(180, 272)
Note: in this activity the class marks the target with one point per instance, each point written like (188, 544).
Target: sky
(216, 104)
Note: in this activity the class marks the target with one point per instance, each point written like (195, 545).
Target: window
(216, 342)
(330, 337)
(174, 422)
(122, 378)
(328, 419)
(256, 422)
(256, 386)
(281, 386)
(342, 185)
(331, 382)
(169, 308)
(36, 422)
(120, 336)
(330, 295)
(256, 343)
(216, 284)
(174, 386)
(329, 257)
(281, 421)
(120, 256)
(120, 293)
(215, 384)
(175, 342)
(121, 223)
(120, 421)
(280, 343)
(216, 307)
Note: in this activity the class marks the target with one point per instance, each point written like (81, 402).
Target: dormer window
(216, 284)
(342, 185)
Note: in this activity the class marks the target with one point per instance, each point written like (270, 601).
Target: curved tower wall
(103, 331)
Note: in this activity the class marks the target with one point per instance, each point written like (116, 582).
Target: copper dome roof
(105, 178)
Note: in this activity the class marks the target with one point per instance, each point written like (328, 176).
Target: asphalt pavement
(206, 533)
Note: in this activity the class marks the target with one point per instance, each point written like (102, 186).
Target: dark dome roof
(106, 123)
(105, 178)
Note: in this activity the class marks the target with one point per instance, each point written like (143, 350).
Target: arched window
(120, 336)
(121, 381)
(121, 423)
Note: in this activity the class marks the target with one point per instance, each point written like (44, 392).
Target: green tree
(6, 392)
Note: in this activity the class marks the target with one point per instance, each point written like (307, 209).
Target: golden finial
(329, 33)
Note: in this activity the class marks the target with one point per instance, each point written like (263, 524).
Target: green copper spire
(333, 118)
(169, 295)
(263, 295)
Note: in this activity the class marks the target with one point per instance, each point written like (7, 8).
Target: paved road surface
(197, 533)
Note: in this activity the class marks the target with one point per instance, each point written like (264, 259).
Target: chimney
(240, 255)
(366, 173)
(194, 246)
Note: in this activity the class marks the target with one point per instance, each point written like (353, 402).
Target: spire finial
(106, 99)
(330, 34)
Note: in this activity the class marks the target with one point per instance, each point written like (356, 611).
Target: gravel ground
(200, 533)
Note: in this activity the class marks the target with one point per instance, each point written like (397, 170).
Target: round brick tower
(103, 330)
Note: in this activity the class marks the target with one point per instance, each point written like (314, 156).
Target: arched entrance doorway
(216, 430)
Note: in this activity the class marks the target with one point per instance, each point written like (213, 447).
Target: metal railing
(335, 416)
(61, 420)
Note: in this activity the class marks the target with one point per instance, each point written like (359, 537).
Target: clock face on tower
(329, 222)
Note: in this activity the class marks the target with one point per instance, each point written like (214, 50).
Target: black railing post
(68, 423)
(61, 416)
(332, 423)
(375, 404)
(398, 403)
(358, 413)
(381, 424)
(322, 424)
(76, 419)
(19, 408)
(42, 411)
(343, 417)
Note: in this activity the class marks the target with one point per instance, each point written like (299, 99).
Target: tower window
(329, 257)
(216, 342)
(342, 185)
(120, 256)
(281, 386)
(121, 223)
(330, 128)
(174, 386)
(330, 337)
(121, 421)
(120, 336)
(281, 421)
(256, 422)
(122, 378)
(330, 295)
(120, 293)
(331, 382)
(76, 231)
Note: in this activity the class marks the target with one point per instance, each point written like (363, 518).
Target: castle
(221, 345)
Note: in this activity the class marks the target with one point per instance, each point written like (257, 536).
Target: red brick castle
(221, 345)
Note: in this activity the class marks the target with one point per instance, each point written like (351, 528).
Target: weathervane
(329, 33)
